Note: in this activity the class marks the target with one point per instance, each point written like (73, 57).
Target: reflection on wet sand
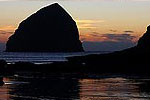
(111, 89)
(4, 91)
(71, 88)
(39, 88)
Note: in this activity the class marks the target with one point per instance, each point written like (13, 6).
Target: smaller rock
(2, 66)
(144, 41)
(1, 81)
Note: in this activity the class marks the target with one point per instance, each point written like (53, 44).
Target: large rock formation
(51, 29)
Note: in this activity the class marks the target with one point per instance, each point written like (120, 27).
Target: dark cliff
(131, 60)
(144, 42)
(51, 29)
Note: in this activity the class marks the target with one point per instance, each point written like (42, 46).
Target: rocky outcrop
(2, 67)
(131, 60)
(144, 41)
(51, 29)
(1, 81)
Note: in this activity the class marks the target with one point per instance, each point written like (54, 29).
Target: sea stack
(51, 29)
(144, 41)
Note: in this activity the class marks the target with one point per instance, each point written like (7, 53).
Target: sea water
(40, 57)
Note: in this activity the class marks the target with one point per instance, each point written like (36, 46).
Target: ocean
(40, 57)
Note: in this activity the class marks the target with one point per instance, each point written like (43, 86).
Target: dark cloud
(95, 34)
(5, 32)
(115, 37)
(129, 31)
(113, 30)
(118, 37)
(111, 42)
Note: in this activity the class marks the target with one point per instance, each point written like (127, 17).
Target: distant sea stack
(144, 41)
(51, 29)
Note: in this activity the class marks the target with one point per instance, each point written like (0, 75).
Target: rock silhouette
(51, 29)
(2, 67)
(1, 81)
(131, 60)
(144, 41)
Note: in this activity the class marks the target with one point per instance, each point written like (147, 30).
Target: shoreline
(40, 57)
(73, 66)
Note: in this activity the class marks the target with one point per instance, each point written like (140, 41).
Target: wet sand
(68, 86)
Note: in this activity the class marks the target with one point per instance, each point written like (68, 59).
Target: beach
(71, 86)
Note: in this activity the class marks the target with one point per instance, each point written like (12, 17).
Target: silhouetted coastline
(128, 61)
(131, 60)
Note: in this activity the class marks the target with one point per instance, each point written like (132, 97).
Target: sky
(104, 25)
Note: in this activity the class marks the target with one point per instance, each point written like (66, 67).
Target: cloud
(108, 41)
(88, 23)
(118, 37)
(95, 36)
(128, 31)
(113, 30)
(8, 28)
(5, 32)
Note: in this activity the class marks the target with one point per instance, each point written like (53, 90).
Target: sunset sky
(103, 24)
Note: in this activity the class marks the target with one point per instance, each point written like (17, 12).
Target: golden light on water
(4, 90)
(108, 89)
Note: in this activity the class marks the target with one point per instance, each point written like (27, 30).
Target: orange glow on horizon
(6, 32)
(90, 30)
